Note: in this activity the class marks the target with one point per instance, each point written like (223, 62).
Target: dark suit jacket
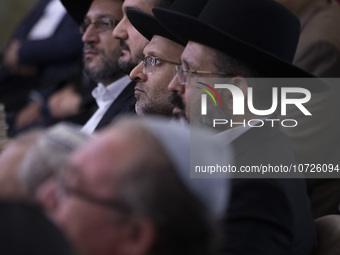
(267, 216)
(62, 47)
(124, 104)
(58, 58)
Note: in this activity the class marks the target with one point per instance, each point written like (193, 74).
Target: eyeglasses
(109, 203)
(150, 62)
(101, 25)
(183, 74)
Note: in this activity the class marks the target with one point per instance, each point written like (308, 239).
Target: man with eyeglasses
(131, 41)
(153, 74)
(237, 40)
(161, 55)
(114, 92)
(118, 198)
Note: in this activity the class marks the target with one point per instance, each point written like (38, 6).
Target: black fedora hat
(260, 32)
(149, 26)
(77, 9)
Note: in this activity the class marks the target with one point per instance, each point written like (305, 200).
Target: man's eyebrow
(188, 64)
(132, 8)
(73, 172)
(101, 16)
(153, 53)
(106, 16)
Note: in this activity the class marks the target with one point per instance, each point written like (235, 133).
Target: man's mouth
(124, 46)
(138, 90)
(90, 53)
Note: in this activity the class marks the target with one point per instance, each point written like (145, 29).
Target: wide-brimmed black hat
(149, 26)
(77, 9)
(260, 32)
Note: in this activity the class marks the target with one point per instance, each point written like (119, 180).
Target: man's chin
(178, 113)
(91, 64)
(125, 64)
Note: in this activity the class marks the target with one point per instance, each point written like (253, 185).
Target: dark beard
(105, 72)
(127, 67)
(176, 100)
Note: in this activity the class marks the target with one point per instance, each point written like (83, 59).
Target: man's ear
(242, 84)
(46, 196)
(138, 236)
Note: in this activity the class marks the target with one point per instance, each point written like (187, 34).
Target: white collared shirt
(104, 96)
(47, 24)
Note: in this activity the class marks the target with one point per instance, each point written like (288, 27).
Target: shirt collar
(112, 91)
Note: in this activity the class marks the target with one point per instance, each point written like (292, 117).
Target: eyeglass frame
(112, 24)
(114, 204)
(179, 69)
(153, 63)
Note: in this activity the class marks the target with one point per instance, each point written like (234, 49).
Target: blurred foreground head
(128, 191)
(33, 157)
(10, 160)
(48, 155)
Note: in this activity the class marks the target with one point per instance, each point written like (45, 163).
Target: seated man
(163, 52)
(235, 40)
(128, 191)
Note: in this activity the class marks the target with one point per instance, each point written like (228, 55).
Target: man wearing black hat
(239, 39)
(154, 73)
(131, 40)
(114, 93)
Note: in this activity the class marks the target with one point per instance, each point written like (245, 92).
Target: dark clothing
(267, 216)
(56, 58)
(124, 104)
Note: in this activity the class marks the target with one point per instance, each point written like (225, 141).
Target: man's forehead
(156, 47)
(90, 163)
(141, 5)
(100, 9)
(194, 52)
(188, 55)
(161, 47)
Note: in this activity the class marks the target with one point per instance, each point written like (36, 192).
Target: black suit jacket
(267, 216)
(58, 58)
(62, 47)
(124, 104)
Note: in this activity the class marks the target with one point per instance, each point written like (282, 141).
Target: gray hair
(49, 154)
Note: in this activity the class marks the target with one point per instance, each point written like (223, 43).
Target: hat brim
(77, 9)
(189, 28)
(148, 26)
